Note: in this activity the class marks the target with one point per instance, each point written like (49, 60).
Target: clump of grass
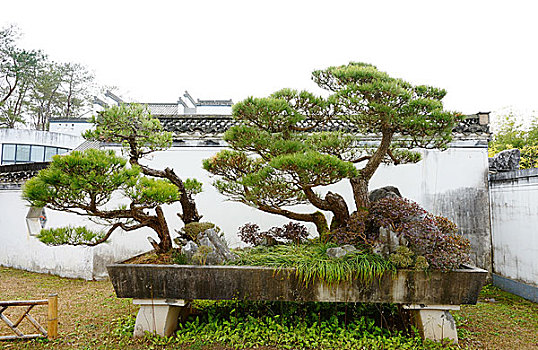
(311, 262)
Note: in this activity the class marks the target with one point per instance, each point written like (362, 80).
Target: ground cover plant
(500, 320)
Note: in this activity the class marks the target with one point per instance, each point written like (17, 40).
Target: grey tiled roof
(203, 124)
(214, 102)
(87, 145)
(163, 109)
(218, 124)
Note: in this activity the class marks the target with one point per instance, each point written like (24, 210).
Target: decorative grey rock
(388, 242)
(348, 248)
(384, 192)
(189, 250)
(505, 160)
(218, 249)
(339, 252)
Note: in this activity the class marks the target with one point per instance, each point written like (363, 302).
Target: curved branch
(190, 212)
(395, 160)
(105, 237)
(361, 159)
(317, 217)
(315, 199)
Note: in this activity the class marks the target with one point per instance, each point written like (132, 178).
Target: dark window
(16, 153)
(8, 152)
(23, 153)
(38, 153)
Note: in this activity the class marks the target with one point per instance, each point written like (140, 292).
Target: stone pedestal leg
(434, 321)
(158, 316)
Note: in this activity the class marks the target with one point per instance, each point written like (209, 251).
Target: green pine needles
(69, 235)
(311, 262)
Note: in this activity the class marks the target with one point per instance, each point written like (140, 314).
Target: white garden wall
(514, 225)
(452, 183)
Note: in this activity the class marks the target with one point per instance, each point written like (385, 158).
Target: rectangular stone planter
(430, 295)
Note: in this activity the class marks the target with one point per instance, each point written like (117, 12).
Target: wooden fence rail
(52, 321)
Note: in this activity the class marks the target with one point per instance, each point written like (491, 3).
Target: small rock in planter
(384, 192)
(339, 252)
(219, 251)
(388, 242)
(189, 249)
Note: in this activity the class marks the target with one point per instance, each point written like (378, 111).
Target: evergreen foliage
(69, 235)
(281, 156)
(140, 134)
(84, 183)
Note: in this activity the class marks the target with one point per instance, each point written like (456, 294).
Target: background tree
(77, 83)
(512, 134)
(280, 157)
(59, 90)
(45, 98)
(140, 134)
(34, 89)
(17, 71)
(84, 183)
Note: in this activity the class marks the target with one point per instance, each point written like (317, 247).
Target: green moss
(193, 229)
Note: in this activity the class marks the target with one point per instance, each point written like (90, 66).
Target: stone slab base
(434, 321)
(158, 316)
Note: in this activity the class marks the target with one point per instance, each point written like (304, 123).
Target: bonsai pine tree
(285, 149)
(132, 126)
(84, 183)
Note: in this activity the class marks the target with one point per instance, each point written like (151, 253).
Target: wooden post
(52, 326)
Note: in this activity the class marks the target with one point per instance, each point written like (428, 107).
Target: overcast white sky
(484, 53)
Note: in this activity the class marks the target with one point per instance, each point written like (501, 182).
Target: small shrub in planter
(291, 232)
(430, 242)
(434, 238)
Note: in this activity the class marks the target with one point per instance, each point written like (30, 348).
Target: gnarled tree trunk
(359, 184)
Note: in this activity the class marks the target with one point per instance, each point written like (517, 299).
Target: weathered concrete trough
(162, 290)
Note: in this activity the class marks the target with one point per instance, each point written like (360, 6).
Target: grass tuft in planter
(311, 262)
